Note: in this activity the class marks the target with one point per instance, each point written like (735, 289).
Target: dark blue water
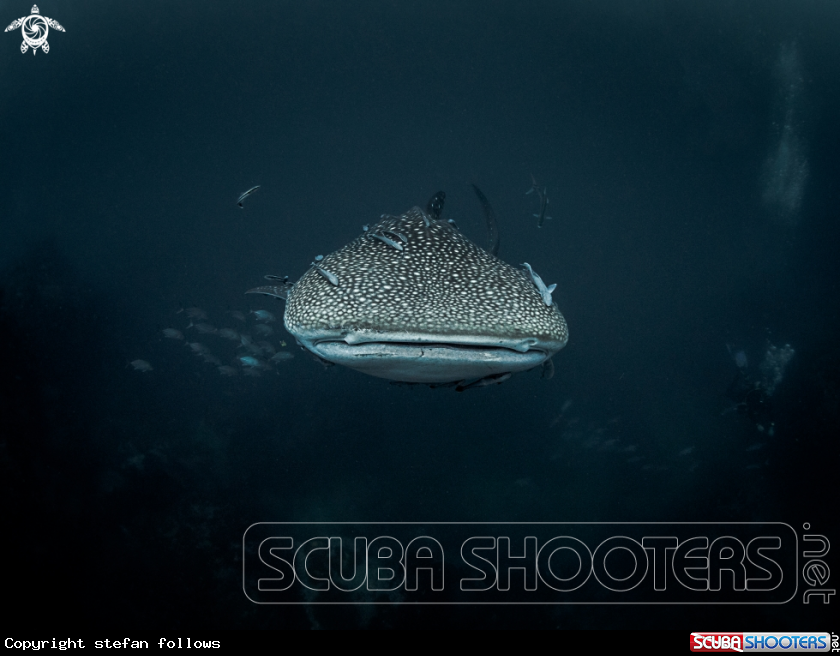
(690, 157)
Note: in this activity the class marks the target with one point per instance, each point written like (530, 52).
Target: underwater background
(690, 152)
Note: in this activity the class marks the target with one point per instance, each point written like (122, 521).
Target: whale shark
(414, 300)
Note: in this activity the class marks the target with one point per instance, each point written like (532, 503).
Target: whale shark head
(414, 300)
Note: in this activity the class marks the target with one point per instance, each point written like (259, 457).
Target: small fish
(318, 258)
(249, 361)
(490, 219)
(229, 333)
(547, 370)
(263, 315)
(195, 313)
(227, 370)
(141, 365)
(280, 356)
(205, 328)
(331, 276)
(545, 292)
(434, 208)
(245, 195)
(543, 196)
(263, 330)
(280, 290)
(252, 364)
(211, 359)
(198, 349)
(386, 240)
(608, 444)
(249, 345)
(687, 451)
(266, 348)
(171, 333)
(236, 314)
(398, 235)
(495, 379)
(739, 356)
(455, 384)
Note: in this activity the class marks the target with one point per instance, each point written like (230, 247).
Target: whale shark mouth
(427, 362)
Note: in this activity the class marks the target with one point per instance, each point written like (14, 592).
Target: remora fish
(543, 196)
(545, 291)
(441, 310)
(245, 195)
(492, 223)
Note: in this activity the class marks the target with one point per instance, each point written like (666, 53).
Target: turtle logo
(35, 29)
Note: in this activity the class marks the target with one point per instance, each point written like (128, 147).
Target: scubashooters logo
(550, 563)
(35, 29)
